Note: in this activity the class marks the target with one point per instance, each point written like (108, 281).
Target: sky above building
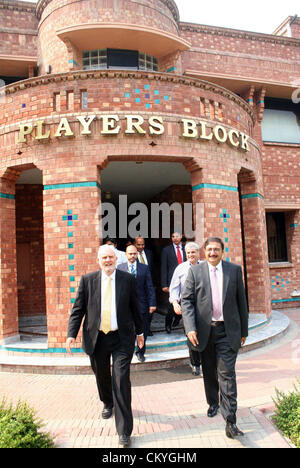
(257, 15)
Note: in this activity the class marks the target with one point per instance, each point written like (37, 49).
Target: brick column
(217, 214)
(256, 247)
(71, 244)
(8, 264)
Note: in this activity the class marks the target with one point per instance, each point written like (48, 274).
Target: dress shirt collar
(105, 276)
(218, 267)
(132, 264)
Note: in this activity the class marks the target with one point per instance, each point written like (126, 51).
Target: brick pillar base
(71, 244)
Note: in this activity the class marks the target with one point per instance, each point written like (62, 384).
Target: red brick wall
(18, 26)
(239, 54)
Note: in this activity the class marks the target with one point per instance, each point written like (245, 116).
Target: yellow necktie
(106, 312)
(142, 259)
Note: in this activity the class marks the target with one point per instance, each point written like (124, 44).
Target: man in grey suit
(215, 316)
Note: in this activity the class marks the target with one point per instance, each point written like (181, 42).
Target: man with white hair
(192, 251)
(107, 301)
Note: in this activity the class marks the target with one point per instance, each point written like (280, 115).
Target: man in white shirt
(192, 251)
(215, 316)
(111, 324)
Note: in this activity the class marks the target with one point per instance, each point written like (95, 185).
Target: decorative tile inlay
(70, 218)
(141, 96)
(225, 216)
(279, 283)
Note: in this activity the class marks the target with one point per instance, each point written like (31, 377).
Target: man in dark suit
(171, 256)
(145, 291)
(108, 302)
(145, 256)
(215, 315)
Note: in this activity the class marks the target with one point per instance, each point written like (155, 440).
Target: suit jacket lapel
(206, 281)
(226, 277)
(119, 284)
(97, 292)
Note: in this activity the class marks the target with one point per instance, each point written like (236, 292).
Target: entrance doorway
(30, 254)
(149, 184)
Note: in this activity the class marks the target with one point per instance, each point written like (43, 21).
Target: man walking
(192, 251)
(145, 292)
(171, 256)
(107, 300)
(215, 315)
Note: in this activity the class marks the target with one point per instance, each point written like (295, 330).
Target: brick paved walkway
(169, 405)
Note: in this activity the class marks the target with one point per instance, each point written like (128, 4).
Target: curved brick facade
(70, 124)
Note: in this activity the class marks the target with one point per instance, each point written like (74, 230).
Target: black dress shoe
(107, 412)
(212, 411)
(140, 357)
(124, 441)
(232, 430)
(168, 329)
(195, 370)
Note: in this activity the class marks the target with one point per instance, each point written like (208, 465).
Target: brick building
(110, 97)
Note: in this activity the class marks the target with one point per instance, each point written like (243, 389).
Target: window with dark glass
(118, 59)
(276, 230)
(281, 121)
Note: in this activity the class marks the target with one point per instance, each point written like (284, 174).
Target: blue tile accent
(252, 195)
(157, 101)
(137, 100)
(156, 92)
(127, 95)
(147, 86)
(215, 186)
(148, 106)
(166, 98)
(281, 301)
(72, 185)
(7, 195)
(137, 91)
(73, 62)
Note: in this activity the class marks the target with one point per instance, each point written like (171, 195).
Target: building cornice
(111, 74)
(238, 34)
(41, 5)
(16, 5)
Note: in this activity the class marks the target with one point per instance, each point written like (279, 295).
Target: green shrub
(287, 414)
(19, 427)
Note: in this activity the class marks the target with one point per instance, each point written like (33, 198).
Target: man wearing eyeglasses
(215, 316)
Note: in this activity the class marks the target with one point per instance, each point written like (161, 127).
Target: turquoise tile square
(75, 217)
(71, 257)
(64, 218)
(166, 98)
(72, 301)
(72, 290)
(69, 212)
(156, 92)
(147, 86)
(137, 91)
(71, 267)
(70, 234)
(72, 278)
(148, 106)
(70, 246)
(137, 99)
(70, 223)
(157, 101)
(127, 95)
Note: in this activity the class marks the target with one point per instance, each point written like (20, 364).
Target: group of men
(116, 303)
